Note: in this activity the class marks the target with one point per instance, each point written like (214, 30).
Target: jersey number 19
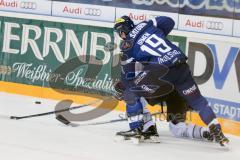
(155, 45)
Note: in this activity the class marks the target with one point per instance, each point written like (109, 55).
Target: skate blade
(119, 138)
(136, 141)
(152, 139)
(224, 142)
(133, 140)
(155, 139)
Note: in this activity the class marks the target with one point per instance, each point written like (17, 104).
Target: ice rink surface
(44, 138)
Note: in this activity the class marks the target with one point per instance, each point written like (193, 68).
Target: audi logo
(28, 5)
(213, 25)
(92, 12)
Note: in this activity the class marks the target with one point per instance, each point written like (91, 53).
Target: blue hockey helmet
(123, 24)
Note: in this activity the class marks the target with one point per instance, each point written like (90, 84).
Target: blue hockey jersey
(149, 42)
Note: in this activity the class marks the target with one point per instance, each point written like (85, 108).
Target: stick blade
(62, 119)
(14, 117)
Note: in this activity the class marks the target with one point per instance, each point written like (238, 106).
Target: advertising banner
(211, 25)
(236, 28)
(56, 55)
(83, 11)
(31, 52)
(43, 7)
(151, 5)
(141, 15)
(94, 2)
(214, 8)
(216, 69)
(212, 17)
(60, 55)
(210, 8)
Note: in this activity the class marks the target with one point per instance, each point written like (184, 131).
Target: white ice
(44, 138)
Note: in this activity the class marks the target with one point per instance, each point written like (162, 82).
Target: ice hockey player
(164, 71)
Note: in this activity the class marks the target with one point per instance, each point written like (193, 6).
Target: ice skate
(138, 136)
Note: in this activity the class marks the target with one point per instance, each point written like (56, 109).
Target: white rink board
(212, 25)
(42, 7)
(230, 90)
(236, 28)
(222, 88)
(138, 15)
(83, 11)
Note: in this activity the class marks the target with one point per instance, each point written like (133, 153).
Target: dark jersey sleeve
(164, 23)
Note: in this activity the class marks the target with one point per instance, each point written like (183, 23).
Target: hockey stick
(57, 111)
(63, 120)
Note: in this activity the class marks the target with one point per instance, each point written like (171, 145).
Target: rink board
(32, 47)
